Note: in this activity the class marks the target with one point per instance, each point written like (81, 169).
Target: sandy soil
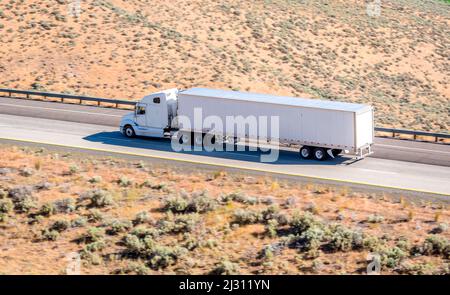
(143, 187)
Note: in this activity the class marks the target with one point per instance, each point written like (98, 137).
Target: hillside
(397, 61)
(141, 218)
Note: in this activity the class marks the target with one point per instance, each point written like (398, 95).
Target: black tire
(336, 152)
(306, 152)
(129, 131)
(319, 154)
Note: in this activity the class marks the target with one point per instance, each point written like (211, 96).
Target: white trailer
(320, 128)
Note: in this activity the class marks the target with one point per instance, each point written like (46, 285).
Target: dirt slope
(397, 60)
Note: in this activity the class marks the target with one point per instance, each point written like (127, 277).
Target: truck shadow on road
(285, 157)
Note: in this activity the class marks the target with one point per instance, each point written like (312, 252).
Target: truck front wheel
(129, 131)
(305, 152)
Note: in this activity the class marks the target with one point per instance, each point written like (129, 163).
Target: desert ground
(395, 57)
(124, 217)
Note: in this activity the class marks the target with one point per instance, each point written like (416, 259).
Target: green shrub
(435, 245)
(23, 199)
(176, 204)
(344, 239)
(239, 197)
(50, 235)
(3, 193)
(158, 256)
(93, 234)
(310, 240)
(119, 226)
(300, 223)
(178, 224)
(199, 203)
(73, 169)
(391, 257)
(6, 205)
(242, 217)
(142, 232)
(66, 205)
(60, 225)
(95, 246)
(124, 181)
(27, 172)
(95, 215)
(225, 267)
(95, 179)
(271, 228)
(47, 210)
(97, 198)
(375, 218)
(79, 222)
(141, 217)
(134, 268)
(4, 217)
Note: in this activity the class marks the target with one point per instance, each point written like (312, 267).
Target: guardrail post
(436, 139)
(9, 94)
(81, 101)
(62, 99)
(117, 105)
(28, 96)
(415, 136)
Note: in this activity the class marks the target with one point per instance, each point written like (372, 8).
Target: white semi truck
(320, 129)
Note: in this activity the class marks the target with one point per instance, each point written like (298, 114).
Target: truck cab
(152, 115)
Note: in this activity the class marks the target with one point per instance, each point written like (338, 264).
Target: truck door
(141, 117)
(157, 113)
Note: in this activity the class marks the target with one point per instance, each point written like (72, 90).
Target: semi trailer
(319, 128)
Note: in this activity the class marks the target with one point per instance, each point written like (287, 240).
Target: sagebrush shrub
(50, 235)
(391, 257)
(23, 198)
(226, 267)
(302, 222)
(179, 223)
(435, 245)
(94, 215)
(97, 198)
(66, 205)
(119, 226)
(93, 234)
(60, 225)
(198, 202)
(243, 216)
(344, 239)
(141, 217)
(6, 205)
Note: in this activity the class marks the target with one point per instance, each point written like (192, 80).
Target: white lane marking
(63, 110)
(410, 148)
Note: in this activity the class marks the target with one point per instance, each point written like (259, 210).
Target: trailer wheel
(129, 131)
(336, 152)
(320, 154)
(305, 152)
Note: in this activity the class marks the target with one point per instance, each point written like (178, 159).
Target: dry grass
(330, 49)
(212, 241)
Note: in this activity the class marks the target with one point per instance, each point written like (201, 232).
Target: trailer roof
(274, 99)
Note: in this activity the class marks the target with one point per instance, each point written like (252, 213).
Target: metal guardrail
(413, 133)
(62, 97)
(117, 103)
